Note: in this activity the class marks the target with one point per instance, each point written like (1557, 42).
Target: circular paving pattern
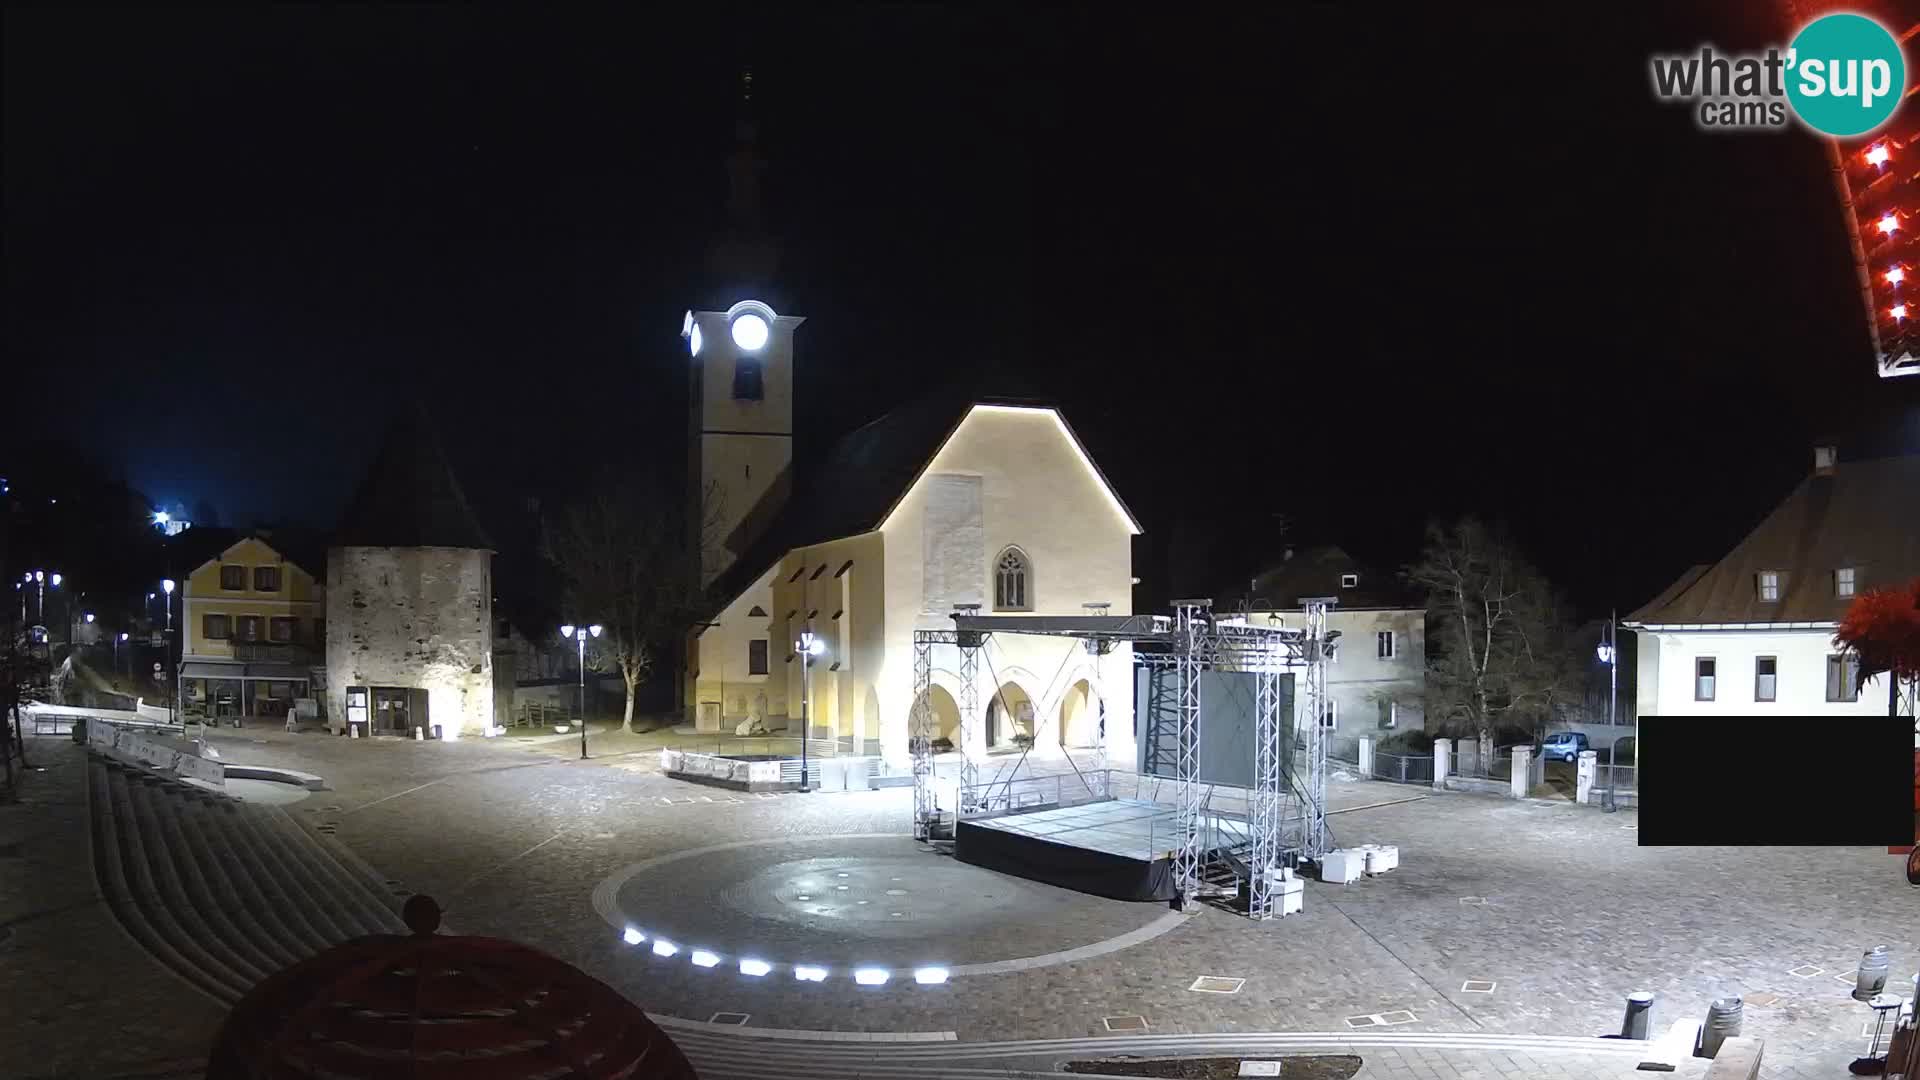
(882, 901)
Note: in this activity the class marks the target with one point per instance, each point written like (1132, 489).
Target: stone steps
(222, 893)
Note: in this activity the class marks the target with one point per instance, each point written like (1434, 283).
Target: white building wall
(1037, 492)
(1359, 676)
(1667, 674)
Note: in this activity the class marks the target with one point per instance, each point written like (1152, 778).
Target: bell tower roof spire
(744, 256)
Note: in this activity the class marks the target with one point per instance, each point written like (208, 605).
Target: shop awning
(204, 669)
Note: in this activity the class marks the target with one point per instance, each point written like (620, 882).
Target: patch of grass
(1294, 1067)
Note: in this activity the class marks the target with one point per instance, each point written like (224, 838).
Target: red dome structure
(426, 1006)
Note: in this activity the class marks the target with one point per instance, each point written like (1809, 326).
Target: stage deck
(1129, 828)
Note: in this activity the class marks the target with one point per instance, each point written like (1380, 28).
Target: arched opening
(1079, 717)
(1010, 713)
(946, 714)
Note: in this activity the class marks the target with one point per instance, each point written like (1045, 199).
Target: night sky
(1356, 270)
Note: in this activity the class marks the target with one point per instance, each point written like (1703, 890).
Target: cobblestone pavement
(1552, 903)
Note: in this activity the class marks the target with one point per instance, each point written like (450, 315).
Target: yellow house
(253, 628)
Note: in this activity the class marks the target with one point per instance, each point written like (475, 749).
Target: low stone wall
(132, 747)
(722, 771)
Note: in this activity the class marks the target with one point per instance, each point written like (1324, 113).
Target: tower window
(747, 382)
(1012, 581)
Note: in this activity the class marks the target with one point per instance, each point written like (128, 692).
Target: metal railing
(1470, 764)
(1403, 768)
(1034, 793)
(1619, 777)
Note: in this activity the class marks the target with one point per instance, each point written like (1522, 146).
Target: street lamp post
(174, 708)
(809, 646)
(117, 642)
(580, 634)
(1610, 656)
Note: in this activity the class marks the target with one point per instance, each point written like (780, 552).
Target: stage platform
(1117, 848)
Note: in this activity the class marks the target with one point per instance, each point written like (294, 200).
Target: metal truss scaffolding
(1286, 813)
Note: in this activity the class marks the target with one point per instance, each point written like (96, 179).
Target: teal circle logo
(1846, 75)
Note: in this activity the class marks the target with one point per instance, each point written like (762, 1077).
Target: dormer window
(1349, 581)
(1843, 582)
(1768, 585)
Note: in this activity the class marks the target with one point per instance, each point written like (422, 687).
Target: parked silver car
(1563, 746)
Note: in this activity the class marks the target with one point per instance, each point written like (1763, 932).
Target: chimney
(1824, 459)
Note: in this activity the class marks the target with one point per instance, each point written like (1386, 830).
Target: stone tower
(410, 595)
(740, 429)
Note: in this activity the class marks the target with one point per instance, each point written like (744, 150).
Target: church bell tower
(741, 422)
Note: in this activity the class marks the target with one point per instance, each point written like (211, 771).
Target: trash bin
(1872, 976)
(1639, 1018)
(80, 729)
(1723, 1023)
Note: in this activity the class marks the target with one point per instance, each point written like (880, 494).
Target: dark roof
(1866, 515)
(410, 497)
(1318, 571)
(853, 489)
(195, 547)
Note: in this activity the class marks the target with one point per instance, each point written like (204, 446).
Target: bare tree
(1500, 641)
(628, 564)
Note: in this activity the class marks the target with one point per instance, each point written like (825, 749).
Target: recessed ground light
(632, 936)
(663, 947)
(930, 976)
(808, 973)
(804, 896)
(870, 976)
(755, 968)
(703, 958)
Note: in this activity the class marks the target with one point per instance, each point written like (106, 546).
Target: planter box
(720, 771)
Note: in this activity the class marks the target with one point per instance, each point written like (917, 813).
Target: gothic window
(1012, 581)
(747, 379)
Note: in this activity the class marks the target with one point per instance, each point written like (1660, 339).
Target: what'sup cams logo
(1843, 75)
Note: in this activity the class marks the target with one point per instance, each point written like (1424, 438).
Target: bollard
(1639, 1018)
(1723, 1023)
(1872, 976)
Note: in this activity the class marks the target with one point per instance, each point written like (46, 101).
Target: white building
(1377, 673)
(945, 502)
(1753, 633)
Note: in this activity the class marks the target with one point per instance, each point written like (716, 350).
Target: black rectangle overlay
(1754, 781)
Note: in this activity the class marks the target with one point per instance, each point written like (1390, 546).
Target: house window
(757, 656)
(1331, 718)
(1012, 581)
(247, 628)
(1766, 678)
(216, 627)
(747, 382)
(1349, 581)
(1843, 677)
(266, 579)
(1389, 715)
(1769, 586)
(281, 629)
(1843, 579)
(1703, 672)
(233, 578)
(1384, 644)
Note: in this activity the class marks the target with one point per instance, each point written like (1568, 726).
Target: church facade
(946, 502)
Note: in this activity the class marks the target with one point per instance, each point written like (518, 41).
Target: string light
(1888, 223)
(1898, 311)
(1878, 154)
(1896, 275)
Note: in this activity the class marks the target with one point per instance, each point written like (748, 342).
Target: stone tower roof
(410, 497)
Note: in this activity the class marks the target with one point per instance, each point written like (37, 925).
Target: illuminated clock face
(693, 339)
(750, 332)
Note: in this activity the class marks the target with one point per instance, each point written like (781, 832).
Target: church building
(949, 501)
